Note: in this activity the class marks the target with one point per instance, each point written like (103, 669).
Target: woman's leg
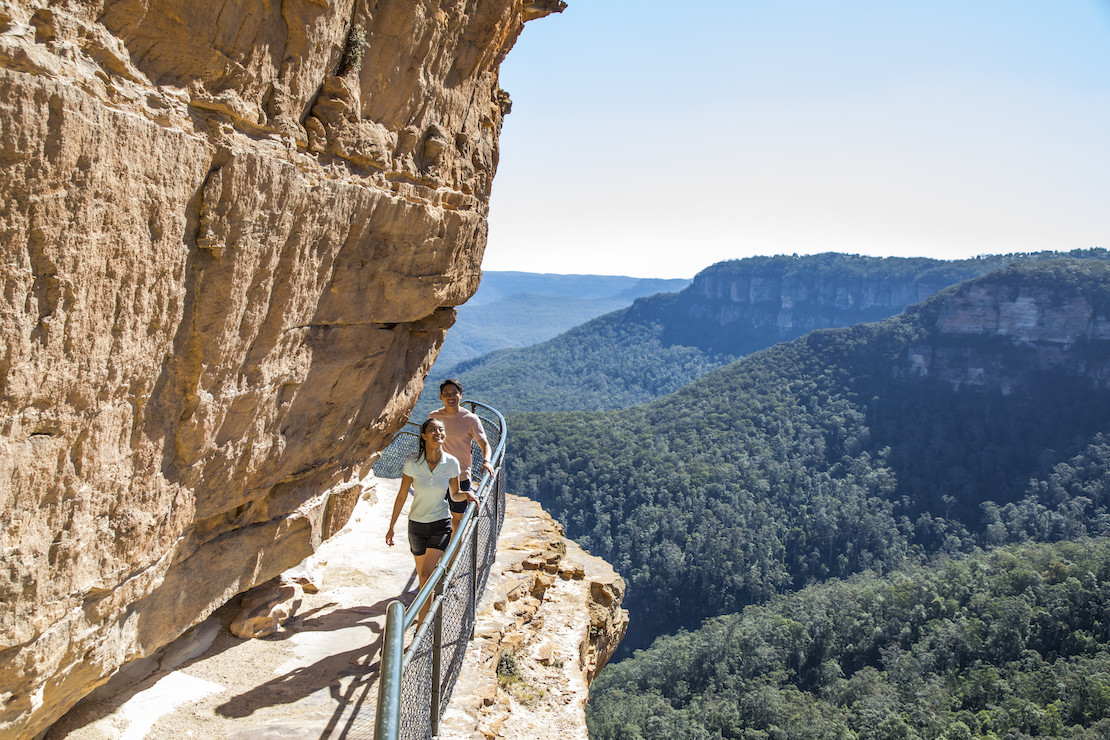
(425, 566)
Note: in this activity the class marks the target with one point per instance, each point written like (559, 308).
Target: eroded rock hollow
(233, 235)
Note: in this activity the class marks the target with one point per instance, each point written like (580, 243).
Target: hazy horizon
(649, 142)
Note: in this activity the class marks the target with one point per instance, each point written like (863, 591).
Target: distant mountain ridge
(500, 284)
(740, 306)
(662, 342)
(518, 309)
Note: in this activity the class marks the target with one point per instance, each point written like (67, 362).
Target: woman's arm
(398, 504)
(456, 494)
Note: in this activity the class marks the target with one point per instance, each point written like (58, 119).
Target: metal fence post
(474, 569)
(389, 690)
(437, 661)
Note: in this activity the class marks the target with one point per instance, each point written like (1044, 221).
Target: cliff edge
(555, 609)
(549, 621)
(233, 235)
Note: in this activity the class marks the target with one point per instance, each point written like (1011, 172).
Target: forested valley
(1011, 643)
(829, 470)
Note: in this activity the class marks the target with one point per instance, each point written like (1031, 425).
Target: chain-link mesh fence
(429, 658)
(403, 446)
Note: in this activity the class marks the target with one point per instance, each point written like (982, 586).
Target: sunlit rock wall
(232, 237)
(742, 306)
(1014, 329)
(787, 304)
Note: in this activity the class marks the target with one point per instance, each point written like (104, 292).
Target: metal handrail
(395, 665)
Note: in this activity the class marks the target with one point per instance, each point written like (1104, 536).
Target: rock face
(233, 235)
(742, 306)
(1007, 329)
(548, 623)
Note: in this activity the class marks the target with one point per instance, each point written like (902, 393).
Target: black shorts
(424, 536)
(458, 507)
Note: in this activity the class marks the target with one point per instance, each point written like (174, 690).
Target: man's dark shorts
(424, 536)
(459, 507)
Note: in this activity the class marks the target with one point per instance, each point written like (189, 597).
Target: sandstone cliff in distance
(731, 309)
(233, 235)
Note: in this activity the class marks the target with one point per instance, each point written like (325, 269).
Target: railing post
(498, 487)
(474, 568)
(388, 724)
(437, 660)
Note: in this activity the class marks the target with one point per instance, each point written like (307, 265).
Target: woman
(429, 472)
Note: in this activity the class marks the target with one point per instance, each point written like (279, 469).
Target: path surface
(315, 678)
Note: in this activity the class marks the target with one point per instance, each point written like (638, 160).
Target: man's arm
(483, 445)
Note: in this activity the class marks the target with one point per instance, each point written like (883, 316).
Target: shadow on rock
(360, 663)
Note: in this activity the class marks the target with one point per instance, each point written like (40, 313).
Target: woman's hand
(398, 504)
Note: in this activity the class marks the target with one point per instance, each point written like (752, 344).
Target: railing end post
(388, 722)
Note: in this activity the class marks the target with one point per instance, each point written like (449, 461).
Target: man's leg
(458, 508)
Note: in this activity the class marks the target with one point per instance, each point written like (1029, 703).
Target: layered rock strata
(548, 623)
(741, 306)
(232, 238)
(1008, 329)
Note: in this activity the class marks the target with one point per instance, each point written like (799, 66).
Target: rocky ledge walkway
(553, 606)
(316, 677)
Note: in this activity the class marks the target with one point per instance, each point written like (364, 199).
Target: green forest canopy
(815, 459)
(1011, 643)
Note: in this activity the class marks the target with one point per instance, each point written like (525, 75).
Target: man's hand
(389, 537)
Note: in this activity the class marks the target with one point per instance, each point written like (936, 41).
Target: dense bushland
(818, 459)
(1014, 643)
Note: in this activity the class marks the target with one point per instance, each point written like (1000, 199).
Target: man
(463, 427)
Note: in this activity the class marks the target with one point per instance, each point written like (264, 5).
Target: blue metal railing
(416, 683)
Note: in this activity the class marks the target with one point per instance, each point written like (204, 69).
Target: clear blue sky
(654, 138)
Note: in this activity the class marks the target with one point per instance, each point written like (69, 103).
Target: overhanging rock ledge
(233, 235)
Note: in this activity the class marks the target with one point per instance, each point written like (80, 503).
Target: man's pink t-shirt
(462, 428)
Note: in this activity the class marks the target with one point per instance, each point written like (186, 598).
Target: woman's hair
(420, 451)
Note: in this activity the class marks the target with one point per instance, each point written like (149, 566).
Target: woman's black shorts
(429, 535)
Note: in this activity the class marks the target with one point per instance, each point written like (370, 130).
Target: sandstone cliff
(741, 306)
(1007, 329)
(232, 236)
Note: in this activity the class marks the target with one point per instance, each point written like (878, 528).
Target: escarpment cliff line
(741, 306)
(232, 235)
(1013, 328)
(744, 305)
